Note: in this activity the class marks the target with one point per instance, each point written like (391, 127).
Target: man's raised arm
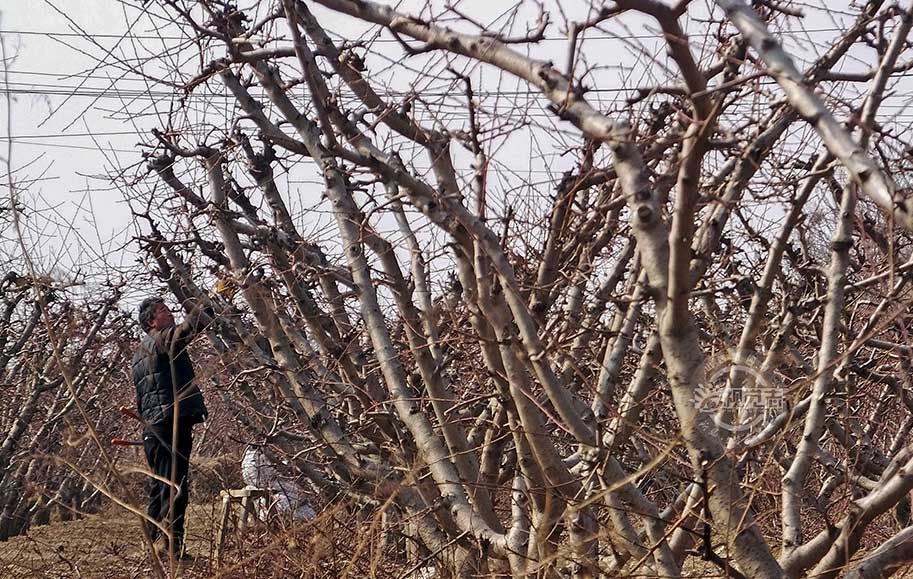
(195, 322)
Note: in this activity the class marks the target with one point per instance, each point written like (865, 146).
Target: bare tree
(40, 476)
(660, 360)
(62, 346)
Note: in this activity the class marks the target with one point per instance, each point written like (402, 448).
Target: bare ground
(109, 546)
(106, 545)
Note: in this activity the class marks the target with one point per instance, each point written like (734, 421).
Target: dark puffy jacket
(161, 368)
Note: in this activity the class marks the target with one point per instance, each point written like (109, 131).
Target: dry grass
(108, 545)
(105, 545)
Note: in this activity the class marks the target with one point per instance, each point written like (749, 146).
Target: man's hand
(129, 413)
(226, 287)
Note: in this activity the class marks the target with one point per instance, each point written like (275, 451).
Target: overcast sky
(69, 129)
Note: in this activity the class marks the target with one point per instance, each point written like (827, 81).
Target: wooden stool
(245, 498)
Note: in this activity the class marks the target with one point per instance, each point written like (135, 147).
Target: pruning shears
(129, 413)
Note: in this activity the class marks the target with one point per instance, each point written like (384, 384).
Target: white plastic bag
(286, 497)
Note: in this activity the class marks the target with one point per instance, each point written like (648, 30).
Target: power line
(79, 35)
(66, 75)
(68, 135)
(127, 93)
(80, 147)
(109, 93)
(497, 170)
(389, 40)
(455, 93)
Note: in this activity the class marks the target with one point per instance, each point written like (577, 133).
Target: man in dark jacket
(164, 380)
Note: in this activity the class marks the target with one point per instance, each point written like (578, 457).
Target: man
(165, 388)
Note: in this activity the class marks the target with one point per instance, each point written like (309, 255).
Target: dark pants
(157, 444)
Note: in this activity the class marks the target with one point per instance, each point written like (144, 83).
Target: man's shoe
(160, 548)
(184, 559)
(180, 553)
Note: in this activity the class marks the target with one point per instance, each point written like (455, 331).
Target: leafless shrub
(692, 346)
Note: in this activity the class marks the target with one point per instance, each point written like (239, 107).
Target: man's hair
(147, 312)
